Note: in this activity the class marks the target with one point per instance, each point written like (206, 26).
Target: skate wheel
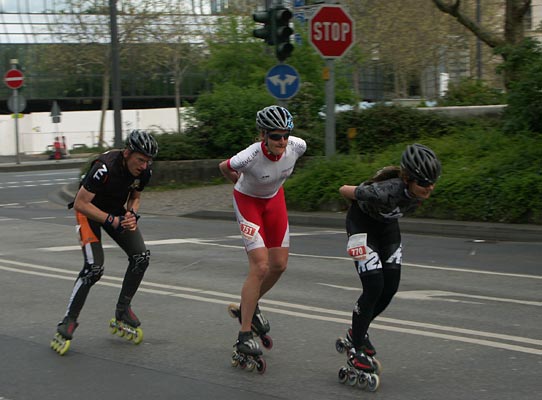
(373, 382)
(261, 365)
(343, 374)
(363, 382)
(138, 337)
(64, 348)
(377, 366)
(233, 310)
(351, 377)
(251, 365)
(339, 345)
(267, 341)
(234, 359)
(112, 326)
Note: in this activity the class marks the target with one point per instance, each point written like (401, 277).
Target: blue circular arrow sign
(282, 81)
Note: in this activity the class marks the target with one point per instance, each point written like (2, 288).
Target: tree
(406, 40)
(514, 14)
(177, 47)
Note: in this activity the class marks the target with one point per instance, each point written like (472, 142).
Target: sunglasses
(277, 136)
(424, 183)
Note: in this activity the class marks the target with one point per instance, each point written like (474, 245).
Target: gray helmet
(142, 142)
(421, 164)
(274, 118)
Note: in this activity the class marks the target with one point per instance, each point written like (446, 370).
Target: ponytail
(383, 174)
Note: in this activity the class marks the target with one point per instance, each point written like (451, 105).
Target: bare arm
(228, 173)
(348, 192)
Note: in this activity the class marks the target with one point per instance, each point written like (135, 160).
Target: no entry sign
(14, 79)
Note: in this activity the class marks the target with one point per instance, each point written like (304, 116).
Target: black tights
(378, 290)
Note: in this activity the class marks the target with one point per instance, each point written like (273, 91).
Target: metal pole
(115, 74)
(14, 63)
(16, 102)
(330, 108)
(478, 42)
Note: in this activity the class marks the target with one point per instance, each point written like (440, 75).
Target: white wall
(37, 131)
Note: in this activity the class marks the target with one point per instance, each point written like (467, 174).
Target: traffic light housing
(276, 30)
(281, 17)
(265, 32)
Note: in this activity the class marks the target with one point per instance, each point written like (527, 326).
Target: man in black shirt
(109, 198)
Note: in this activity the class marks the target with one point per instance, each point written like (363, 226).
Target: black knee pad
(139, 262)
(91, 274)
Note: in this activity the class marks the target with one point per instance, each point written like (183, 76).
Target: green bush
(382, 125)
(472, 92)
(487, 176)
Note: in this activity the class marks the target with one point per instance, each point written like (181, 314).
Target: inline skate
(247, 354)
(359, 370)
(260, 324)
(64, 334)
(126, 325)
(346, 344)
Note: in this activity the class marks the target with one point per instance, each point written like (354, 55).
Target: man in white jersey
(258, 199)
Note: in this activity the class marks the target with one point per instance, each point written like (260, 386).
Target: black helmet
(142, 142)
(421, 164)
(274, 118)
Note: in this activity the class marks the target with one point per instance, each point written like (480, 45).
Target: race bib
(249, 230)
(357, 246)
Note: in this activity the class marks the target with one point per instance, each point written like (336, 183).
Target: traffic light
(266, 32)
(281, 32)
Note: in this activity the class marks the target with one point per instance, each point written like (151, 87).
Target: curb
(457, 229)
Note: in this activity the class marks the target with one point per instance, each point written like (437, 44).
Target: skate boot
(247, 353)
(260, 324)
(126, 324)
(64, 334)
(359, 370)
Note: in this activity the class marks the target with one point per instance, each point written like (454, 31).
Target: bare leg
(258, 267)
(278, 261)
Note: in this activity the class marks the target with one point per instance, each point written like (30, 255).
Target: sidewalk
(215, 202)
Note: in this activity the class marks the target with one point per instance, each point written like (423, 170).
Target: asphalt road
(465, 324)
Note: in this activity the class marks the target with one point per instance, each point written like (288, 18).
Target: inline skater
(258, 173)
(374, 238)
(108, 199)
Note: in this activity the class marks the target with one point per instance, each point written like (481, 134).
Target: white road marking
(431, 294)
(314, 313)
(211, 242)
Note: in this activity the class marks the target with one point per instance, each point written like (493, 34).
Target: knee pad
(91, 274)
(139, 262)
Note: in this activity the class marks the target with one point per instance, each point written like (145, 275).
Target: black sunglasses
(425, 183)
(277, 136)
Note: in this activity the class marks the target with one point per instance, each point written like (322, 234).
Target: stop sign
(14, 79)
(331, 31)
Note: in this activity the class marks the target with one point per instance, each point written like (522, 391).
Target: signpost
(331, 32)
(14, 79)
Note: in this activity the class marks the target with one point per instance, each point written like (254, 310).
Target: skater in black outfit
(108, 199)
(375, 239)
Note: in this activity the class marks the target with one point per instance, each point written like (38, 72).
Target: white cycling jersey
(262, 173)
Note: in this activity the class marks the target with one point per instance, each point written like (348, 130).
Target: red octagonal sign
(331, 31)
